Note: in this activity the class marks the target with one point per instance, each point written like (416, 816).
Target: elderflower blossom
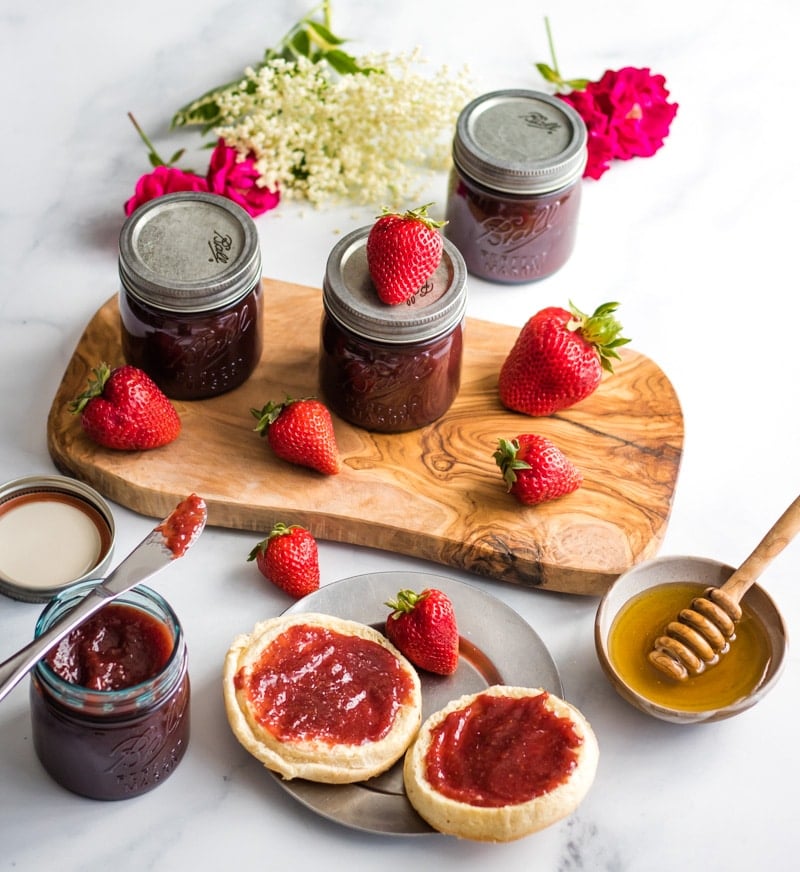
(360, 137)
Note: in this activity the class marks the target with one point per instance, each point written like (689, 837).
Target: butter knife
(167, 541)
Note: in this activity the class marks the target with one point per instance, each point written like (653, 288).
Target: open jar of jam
(110, 703)
(515, 188)
(390, 368)
(190, 298)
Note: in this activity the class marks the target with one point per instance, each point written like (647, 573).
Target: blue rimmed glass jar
(515, 188)
(119, 743)
(390, 368)
(190, 296)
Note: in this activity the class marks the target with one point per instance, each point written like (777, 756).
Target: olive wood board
(435, 493)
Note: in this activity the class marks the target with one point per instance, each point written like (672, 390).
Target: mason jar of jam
(390, 368)
(110, 704)
(515, 187)
(190, 297)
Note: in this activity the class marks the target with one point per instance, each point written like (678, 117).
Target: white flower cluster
(363, 137)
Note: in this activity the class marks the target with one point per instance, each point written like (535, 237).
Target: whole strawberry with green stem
(535, 470)
(403, 251)
(289, 558)
(423, 627)
(301, 432)
(124, 409)
(558, 358)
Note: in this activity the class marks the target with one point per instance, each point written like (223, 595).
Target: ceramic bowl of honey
(639, 605)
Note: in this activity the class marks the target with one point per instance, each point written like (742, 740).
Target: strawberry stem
(508, 461)
(601, 329)
(101, 375)
(270, 413)
(419, 214)
(405, 602)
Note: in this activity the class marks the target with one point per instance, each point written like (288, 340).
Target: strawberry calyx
(507, 458)
(600, 329)
(419, 214)
(96, 386)
(405, 602)
(270, 413)
(279, 529)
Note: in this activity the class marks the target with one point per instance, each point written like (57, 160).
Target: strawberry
(288, 558)
(403, 251)
(301, 432)
(423, 628)
(558, 359)
(535, 470)
(124, 409)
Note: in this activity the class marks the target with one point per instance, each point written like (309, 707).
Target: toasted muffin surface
(500, 764)
(318, 697)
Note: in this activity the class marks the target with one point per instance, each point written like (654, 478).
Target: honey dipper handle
(777, 538)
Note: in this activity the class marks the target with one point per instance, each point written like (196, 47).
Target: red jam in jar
(110, 704)
(350, 696)
(501, 750)
(390, 368)
(190, 298)
(515, 187)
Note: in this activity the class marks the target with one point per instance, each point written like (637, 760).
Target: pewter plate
(497, 647)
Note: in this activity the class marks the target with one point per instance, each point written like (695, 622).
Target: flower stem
(155, 158)
(552, 47)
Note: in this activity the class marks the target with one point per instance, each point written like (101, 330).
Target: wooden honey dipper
(702, 634)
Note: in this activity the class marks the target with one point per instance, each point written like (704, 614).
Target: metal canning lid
(520, 142)
(189, 252)
(54, 531)
(350, 297)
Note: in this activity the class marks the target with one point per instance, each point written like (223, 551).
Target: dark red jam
(117, 647)
(184, 524)
(389, 388)
(512, 238)
(193, 355)
(312, 683)
(110, 707)
(500, 751)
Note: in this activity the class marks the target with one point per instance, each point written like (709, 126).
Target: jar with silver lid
(390, 368)
(190, 298)
(515, 187)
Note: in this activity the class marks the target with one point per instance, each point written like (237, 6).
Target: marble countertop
(698, 243)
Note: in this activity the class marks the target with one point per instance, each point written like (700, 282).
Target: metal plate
(497, 647)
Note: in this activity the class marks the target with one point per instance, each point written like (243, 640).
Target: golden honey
(644, 617)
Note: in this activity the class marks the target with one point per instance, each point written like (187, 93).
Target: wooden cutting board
(434, 493)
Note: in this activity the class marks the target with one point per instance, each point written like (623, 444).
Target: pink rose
(627, 115)
(164, 180)
(237, 179)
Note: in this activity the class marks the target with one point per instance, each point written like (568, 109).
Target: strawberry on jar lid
(349, 295)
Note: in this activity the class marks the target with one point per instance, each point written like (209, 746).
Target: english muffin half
(318, 697)
(500, 764)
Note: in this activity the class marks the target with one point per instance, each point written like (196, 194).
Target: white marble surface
(698, 243)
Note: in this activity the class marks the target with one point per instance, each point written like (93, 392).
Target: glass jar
(390, 368)
(190, 297)
(112, 744)
(515, 187)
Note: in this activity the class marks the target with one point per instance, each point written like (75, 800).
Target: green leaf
(549, 74)
(577, 84)
(324, 35)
